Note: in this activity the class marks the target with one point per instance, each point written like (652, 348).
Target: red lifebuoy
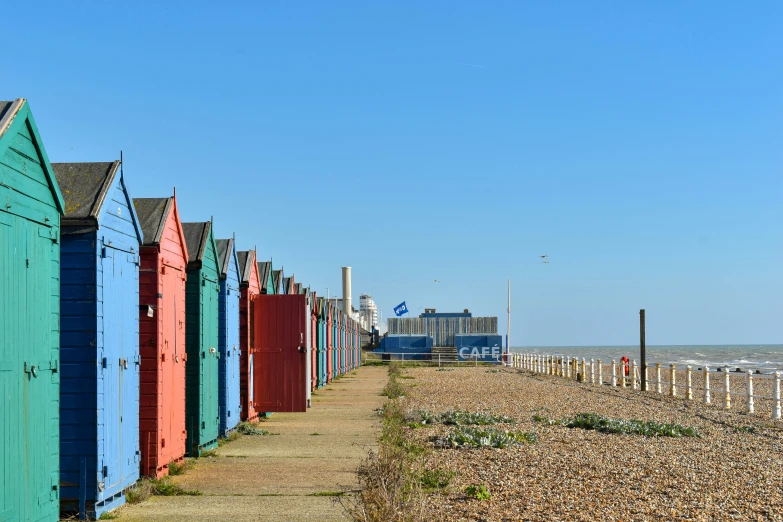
(626, 365)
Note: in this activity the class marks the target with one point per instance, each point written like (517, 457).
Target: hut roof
(264, 268)
(152, 213)
(197, 239)
(85, 187)
(225, 248)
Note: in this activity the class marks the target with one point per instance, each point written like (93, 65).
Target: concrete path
(279, 477)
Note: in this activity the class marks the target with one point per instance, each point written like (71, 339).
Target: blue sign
(400, 309)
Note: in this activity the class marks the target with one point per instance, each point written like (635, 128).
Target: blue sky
(639, 146)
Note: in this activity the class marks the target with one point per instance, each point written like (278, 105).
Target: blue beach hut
(228, 343)
(99, 337)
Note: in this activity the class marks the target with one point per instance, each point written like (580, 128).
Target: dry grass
(390, 485)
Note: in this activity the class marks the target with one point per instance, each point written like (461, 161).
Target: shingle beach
(733, 471)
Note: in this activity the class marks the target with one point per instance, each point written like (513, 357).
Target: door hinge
(104, 362)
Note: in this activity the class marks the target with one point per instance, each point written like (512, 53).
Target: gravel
(734, 471)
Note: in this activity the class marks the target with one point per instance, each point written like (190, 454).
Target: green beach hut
(202, 294)
(30, 211)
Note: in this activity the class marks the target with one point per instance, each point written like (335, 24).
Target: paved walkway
(259, 478)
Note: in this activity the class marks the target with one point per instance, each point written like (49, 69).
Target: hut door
(281, 349)
(112, 369)
(171, 381)
(209, 366)
(29, 380)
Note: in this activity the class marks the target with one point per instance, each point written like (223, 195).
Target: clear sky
(638, 145)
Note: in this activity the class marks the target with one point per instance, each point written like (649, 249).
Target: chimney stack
(347, 290)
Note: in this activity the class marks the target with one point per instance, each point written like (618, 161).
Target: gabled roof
(197, 238)
(264, 270)
(247, 263)
(298, 289)
(85, 187)
(225, 255)
(15, 113)
(153, 213)
(276, 279)
(287, 285)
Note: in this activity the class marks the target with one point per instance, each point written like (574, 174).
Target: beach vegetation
(147, 487)
(246, 428)
(469, 437)
(432, 479)
(459, 418)
(478, 491)
(593, 421)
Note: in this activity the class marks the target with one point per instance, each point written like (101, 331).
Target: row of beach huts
(129, 339)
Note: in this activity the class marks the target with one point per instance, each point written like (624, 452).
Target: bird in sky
(437, 280)
(542, 257)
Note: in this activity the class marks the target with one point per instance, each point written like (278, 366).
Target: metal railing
(742, 386)
(430, 359)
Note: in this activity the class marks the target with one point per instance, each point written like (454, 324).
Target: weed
(543, 420)
(393, 389)
(108, 516)
(478, 491)
(245, 428)
(179, 468)
(745, 429)
(593, 421)
(436, 478)
(145, 488)
(483, 438)
(406, 377)
(315, 434)
(460, 418)
(207, 454)
(231, 437)
(328, 494)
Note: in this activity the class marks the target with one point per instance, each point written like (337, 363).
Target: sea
(766, 358)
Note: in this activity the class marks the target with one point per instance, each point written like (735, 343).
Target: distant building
(368, 310)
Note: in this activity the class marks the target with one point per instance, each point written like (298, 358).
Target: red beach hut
(329, 341)
(313, 298)
(164, 257)
(250, 286)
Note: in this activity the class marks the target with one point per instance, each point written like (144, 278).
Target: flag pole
(508, 321)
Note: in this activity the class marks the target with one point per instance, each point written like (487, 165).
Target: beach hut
(250, 286)
(308, 345)
(164, 260)
(228, 367)
(202, 293)
(30, 210)
(265, 277)
(313, 338)
(280, 369)
(99, 322)
(321, 342)
(329, 324)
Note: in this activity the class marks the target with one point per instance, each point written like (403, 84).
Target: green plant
(246, 428)
(436, 478)
(393, 389)
(745, 429)
(478, 491)
(145, 488)
(483, 438)
(108, 515)
(316, 434)
(178, 468)
(459, 418)
(593, 421)
(328, 494)
(543, 420)
(231, 437)
(210, 453)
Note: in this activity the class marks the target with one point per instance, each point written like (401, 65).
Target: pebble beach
(732, 471)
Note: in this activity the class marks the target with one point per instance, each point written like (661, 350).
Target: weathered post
(568, 367)
(622, 374)
(600, 373)
(584, 370)
(672, 385)
(749, 392)
(776, 397)
(727, 386)
(707, 398)
(658, 377)
(614, 373)
(592, 371)
(633, 374)
(642, 349)
(688, 383)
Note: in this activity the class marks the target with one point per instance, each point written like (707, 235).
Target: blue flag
(400, 309)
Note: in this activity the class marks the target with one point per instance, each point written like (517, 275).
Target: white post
(672, 385)
(592, 371)
(621, 371)
(614, 373)
(600, 373)
(727, 386)
(658, 377)
(749, 392)
(776, 397)
(707, 398)
(567, 369)
(688, 383)
(584, 370)
(633, 374)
